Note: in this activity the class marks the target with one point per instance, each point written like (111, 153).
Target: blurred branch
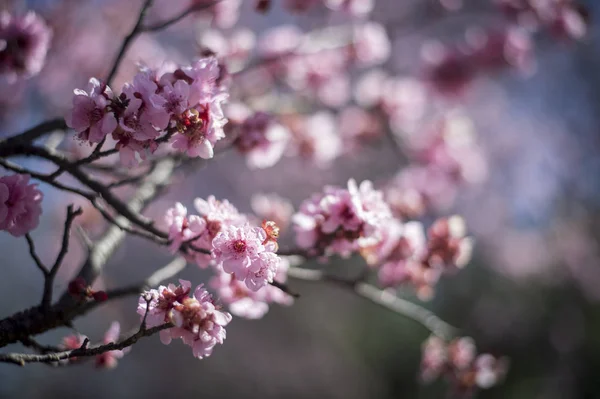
(166, 23)
(137, 29)
(382, 298)
(10, 146)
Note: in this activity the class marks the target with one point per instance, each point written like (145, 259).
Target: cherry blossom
(20, 205)
(262, 140)
(108, 360)
(91, 116)
(198, 322)
(24, 42)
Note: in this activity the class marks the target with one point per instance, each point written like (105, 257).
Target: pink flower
(24, 42)
(262, 271)
(342, 220)
(358, 127)
(183, 227)
(201, 126)
(357, 8)
(172, 100)
(20, 205)
(136, 123)
(198, 322)
(316, 139)
(262, 139)
(433, 359)
(249, 304)
(273, 207)
(235, 249)
(371, 45)
(279, 41)
(90, 115)
(108, 360)
(162, 301)
(448, 245)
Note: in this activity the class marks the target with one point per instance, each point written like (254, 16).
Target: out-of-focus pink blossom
(234, 48)
(108, 360)
(433, 358)
(358, 127)
(358, 8)
(316, 138)
(20, 205)
(279, 41)
(24, 42)
(273, 207)
(371, 45)
(341, 220)
(300, 5)
(262, 140)
(249, 304)
(90, 116)
(447, 71)
(197, 320)
(457, 361)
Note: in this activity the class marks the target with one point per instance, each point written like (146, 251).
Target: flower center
(239, 246)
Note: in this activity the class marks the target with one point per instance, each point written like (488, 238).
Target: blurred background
(530, 293)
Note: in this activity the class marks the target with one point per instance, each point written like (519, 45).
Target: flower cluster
(197, 321)
(182, 105)
(200, 230)
(20, 205)
(565, 18)
(404, 255)
(444, 155)
(459, 362)
(248, 253)
(246, 303)
(262, 140)
(341, 221)
(24, 42)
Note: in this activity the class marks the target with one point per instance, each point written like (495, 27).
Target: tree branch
(137, 28)
(382, 298)
(22, 358)
(49, 281)
(166, 23)
(34, 255)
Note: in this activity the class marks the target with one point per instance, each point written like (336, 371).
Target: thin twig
(382, 298)
(34, 256)
(165, 24)
(137, 28)
(22, 358)
(10, 146)
(49, 281)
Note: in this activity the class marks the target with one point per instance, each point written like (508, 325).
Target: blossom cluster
(564, 18)
(341, 220)
(182, 105)
(459, 362)
(196, 320)
(24, 42)
(243, 256)
(407, 255)
(443, 156)
(20, 205)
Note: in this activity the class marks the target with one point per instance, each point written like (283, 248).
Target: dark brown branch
(137, 28)
(49, 281)
(22, 358)
(45, 178)
(10, 146)
(34, 256)
(165, 24)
